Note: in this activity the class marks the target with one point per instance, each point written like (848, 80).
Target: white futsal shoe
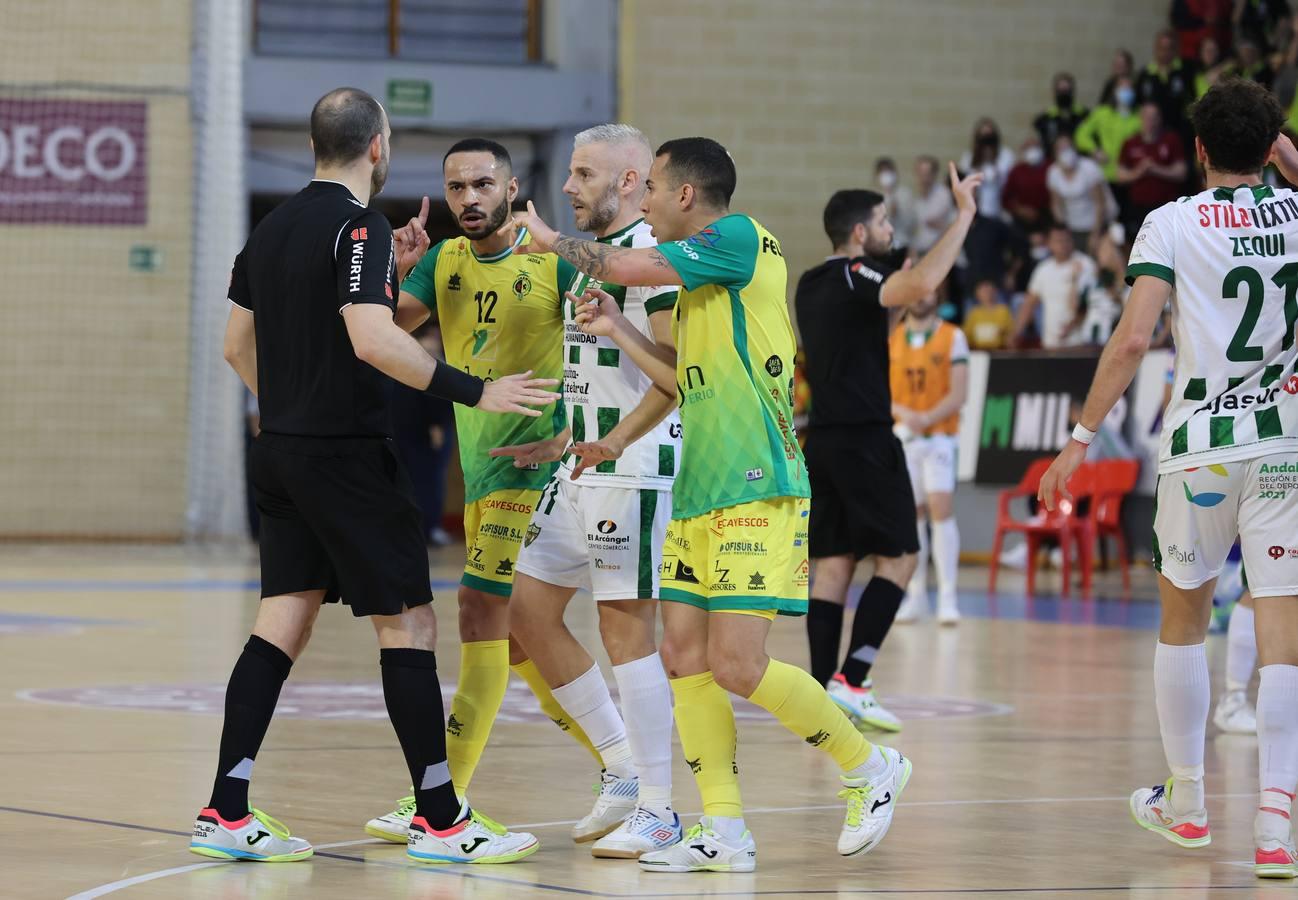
(1152, 810)
(393, 826)
(861, 705)
(614, 805)
(643, 833)
(948, 611)
(256, 837)
(1273, 856)
(911, 609)
(703, 850)
(871, 803)
(1234, 714)
(474, 839)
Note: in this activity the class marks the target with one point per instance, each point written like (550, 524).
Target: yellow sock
(803, 707)
(705, 722)
(528, 671)
(484, 675)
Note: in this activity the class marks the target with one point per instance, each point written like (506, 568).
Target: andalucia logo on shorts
(1207, 499)
(522, 285)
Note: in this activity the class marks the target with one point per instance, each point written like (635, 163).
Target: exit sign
(410, 97)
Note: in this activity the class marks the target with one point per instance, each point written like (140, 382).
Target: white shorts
(1200, 511)
(608, 540)
(931, 462)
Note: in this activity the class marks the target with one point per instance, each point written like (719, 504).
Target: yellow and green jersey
(499, 315)
(734, 369)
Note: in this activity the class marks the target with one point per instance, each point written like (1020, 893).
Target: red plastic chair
(1063, 524)
(1115, 479)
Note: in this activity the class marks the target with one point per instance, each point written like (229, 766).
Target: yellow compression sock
(484, 675)
(705, 722)
(803, 707)
(528, 671)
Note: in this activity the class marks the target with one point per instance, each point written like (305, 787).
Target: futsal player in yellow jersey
(498, 313)
(736, 549)
(929, 374)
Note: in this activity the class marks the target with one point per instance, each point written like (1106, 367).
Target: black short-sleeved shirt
(313, 256)
(844, 330)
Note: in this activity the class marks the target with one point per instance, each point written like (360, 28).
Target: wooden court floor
(1029, 725)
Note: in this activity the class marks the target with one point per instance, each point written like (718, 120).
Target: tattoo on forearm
(596, 259)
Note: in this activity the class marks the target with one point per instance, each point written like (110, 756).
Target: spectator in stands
(1123, 66)
(1168, 81)
(1253, 64)
(992, 251)
(1286, 81)
(1079, 196)
(1212, 67)
(1025, 195)
(899, 200)
(1195, 20)
(1107, 128)
(1264, 22)
(994, 160)
(934, 208)
(1057, 286)
(1063, 117)
(988, 324)
(1152, 167)
(1102, 303)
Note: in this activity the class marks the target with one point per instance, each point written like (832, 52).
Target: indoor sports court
(875, 392)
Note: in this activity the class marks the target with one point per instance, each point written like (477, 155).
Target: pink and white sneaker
(1273, 838)
(1152, 810)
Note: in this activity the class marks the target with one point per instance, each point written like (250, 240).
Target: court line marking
(111, 887)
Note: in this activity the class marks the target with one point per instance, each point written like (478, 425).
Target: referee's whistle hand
(518, 394)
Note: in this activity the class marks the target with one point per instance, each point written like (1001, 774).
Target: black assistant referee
(311, 332)
(861, 499)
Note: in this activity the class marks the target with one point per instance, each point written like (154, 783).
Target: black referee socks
(414, 698)
(250, 699)
(824, 632)
(875, 611)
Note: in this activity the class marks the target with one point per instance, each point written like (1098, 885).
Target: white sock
(946, 560)
(874, 765)
(1277, 745)
(647, 708)
(1241, 649)
(731, 829)
(586, 699)
(917, 589)
(1182, 695)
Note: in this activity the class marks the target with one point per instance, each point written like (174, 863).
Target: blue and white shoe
(644, 832)
(614, 805)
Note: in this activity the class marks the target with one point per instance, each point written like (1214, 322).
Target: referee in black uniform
(311, 332)
(861, 499)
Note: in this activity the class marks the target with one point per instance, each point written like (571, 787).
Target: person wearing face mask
(993, 160)
(1079, 196)
(1106, 129)
(1124, 65)
(899, 200)
(1064, 116)
(1025, 195)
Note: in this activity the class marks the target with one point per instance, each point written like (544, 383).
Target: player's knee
(897, 569)
(421, 622)
(735, 672)
(682, 657)
(626, 637)
(483, 617)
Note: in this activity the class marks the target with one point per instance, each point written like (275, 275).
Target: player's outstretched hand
(1054, 484)
(412, 241)
(517, 394)
(540, 237)
(592, 453)
(965, 190)
(534, 453)
(595, 312)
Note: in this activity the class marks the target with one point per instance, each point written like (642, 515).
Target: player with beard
(498, 313)
(601, 527)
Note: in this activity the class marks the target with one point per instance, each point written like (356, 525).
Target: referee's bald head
(343, 123)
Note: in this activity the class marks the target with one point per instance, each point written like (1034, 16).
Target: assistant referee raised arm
(311, 332)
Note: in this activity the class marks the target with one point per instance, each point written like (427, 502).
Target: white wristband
(1082, 434)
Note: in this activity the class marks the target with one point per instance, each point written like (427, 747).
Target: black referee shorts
(861, 499)
(339, 514)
